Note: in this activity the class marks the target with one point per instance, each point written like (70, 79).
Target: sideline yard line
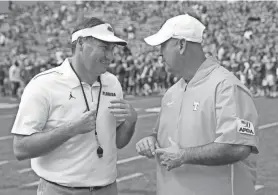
(6, 137)
(8, 105)
(29, 185)
(269, 125)
(147, 115)
(24, 170)
(7, 116)
(258, 187)
(121, 179)
(3, 138)
(128, 177)
(125, 160)
(266, 126)
(137, 109)
(4, 162)
(153, 110)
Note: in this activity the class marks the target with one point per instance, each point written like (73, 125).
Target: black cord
(99, 149)
(99, 93)
(84, 95)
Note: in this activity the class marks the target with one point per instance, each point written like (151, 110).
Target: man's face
(97, 55)
(170, 52)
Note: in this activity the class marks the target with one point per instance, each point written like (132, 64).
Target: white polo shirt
(51, 99)
(216, 107)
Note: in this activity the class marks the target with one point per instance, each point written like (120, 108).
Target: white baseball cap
(180, 27)
(102, 32)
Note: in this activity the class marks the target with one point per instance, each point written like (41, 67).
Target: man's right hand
(146, 146)
(84, 124)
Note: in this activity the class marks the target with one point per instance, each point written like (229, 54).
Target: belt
(93, 188)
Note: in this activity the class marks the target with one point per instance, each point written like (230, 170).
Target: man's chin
(98, 72)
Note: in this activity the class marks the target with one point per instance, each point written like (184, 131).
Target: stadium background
(242, 35)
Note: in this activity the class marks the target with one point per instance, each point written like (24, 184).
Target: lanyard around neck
(99, 149)
(83, 92)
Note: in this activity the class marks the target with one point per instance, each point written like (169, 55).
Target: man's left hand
(122, 111)
(170, 157)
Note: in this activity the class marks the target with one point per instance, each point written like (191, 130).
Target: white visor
(102, 32)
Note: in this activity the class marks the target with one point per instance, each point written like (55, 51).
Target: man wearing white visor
(72, 118)
(206, 139)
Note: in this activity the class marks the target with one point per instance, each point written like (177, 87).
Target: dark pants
(15, 86)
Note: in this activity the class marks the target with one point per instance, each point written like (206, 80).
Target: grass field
(136, 176)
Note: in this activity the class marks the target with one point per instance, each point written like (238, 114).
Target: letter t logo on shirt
(195, 106)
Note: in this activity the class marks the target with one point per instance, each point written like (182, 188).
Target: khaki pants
(47, 188)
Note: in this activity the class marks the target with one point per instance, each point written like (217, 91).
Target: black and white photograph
(139, 97)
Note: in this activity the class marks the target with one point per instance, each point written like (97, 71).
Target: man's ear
(182, 45)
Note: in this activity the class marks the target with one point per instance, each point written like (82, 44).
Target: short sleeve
(120, 95)
(156, 126)
(33, 110)
(236, 116)
(120, 90)
(155, 129)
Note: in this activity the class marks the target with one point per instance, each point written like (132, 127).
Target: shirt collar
(204, 70)
(72, 79)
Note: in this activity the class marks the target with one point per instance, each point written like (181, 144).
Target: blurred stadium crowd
(242, 35)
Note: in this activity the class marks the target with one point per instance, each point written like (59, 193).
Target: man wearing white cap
(72, 118)
(207, 127)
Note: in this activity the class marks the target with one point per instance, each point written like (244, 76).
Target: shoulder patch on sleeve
(245, 127)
